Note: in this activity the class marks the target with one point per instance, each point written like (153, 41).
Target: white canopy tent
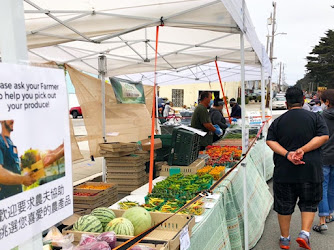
(194, 34)
(206, 73)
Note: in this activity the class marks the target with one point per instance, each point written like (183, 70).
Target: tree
(305, 82)
(320, 65)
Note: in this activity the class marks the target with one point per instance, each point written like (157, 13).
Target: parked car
(279, 102)
(253, 96)
(75, 112)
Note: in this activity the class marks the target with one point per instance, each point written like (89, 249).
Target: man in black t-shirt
(296, 138)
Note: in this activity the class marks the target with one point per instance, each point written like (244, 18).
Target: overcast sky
(304, 21)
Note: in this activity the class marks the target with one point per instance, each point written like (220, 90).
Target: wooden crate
(168, 231)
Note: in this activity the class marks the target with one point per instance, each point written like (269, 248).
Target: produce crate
(151, 244)
(126, 174)
(127, 189)
(109, 154)
(126, 180)
(96, 197)
(163, 154)
(185, 147)
(132, 158)
(186, 170)
(117, 146)
(81, 211)
(168, 231)
(167, 129)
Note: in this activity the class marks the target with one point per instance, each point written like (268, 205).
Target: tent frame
(102, 69)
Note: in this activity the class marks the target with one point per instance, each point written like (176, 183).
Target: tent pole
(244, 139)
(263, 108)
(102, 64)
(221, 85)
(13, 44)
(150, 182)
(244, 146)
(13, 39)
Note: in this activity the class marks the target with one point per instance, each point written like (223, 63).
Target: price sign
(184, 239)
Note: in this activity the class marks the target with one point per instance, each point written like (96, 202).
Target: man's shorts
(286, 195)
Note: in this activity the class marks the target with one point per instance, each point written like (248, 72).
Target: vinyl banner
(35, 152)
(128, 91)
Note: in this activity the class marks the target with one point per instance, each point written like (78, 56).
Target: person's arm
(10, 178)
(290, 155)
(322, 136)
(205, 121)
(233, 112)
(217, 119)
(209, 126)
(238, 113)
(315, 143)
(53, 155)
(277, 148)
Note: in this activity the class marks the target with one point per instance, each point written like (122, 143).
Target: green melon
(120, 226)
(140, 218)
(88, 223)
(104, 214)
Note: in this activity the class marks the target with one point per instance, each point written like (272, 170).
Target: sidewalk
(85, 169)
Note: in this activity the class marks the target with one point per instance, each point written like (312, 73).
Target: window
(177, 97)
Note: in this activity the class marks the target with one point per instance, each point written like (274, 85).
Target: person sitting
(217, 118)
(236, 109)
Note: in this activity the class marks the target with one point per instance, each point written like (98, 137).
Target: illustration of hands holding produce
(35, 165)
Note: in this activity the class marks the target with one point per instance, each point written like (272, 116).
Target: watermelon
(121, 226)
(140, 218)
(88, 223)
(104, 214)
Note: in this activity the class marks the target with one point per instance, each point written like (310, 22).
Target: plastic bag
(55, 238)
(109, 237)
(87, 239)
(141, 247)
(98, 245)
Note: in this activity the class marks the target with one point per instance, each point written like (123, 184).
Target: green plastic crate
(185, 147)
(162, 154)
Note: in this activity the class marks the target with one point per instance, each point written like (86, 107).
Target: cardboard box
(152, 244)
(168, 231)
(186, 170)
(146, 144)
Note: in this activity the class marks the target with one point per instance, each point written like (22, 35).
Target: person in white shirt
(168, 108)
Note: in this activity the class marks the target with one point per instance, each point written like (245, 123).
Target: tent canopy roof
(195, 32)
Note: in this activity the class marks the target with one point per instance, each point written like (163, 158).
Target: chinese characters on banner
(35, 152)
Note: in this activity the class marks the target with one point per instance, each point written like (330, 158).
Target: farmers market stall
(66, 43)
(221, 224)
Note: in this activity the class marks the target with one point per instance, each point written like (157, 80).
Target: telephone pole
(280, 76)
(271, 55)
